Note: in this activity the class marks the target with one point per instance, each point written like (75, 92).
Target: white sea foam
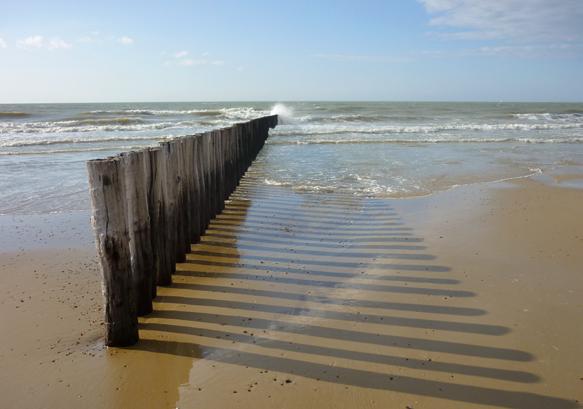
(66, 141)
(547, 116)
(422, 140)
(285, 114)
(272, 182)
(418, 129)
(221, 117)
(59, 127)
(72, 150)
(238, 112)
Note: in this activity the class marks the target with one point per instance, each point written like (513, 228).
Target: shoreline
(486, 236)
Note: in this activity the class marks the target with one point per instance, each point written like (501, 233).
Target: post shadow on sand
(272, 264)
(361, 378)
(257, 244)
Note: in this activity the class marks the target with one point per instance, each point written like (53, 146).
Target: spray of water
(285, 113)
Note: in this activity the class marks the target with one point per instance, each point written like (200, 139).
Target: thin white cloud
(186, 62)
(363, 58)
(528, 50)
(125, 40)
(181, 58)
(517, 50)
(56, 43)
(36, 41)
(201, 61)
(3, 43)
(534, 21)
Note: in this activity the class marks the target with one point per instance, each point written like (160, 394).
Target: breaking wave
(77, 150)
(238, 112)
(547, 116)
(92, 126)
(423, 140)
(67, 141)
(422, 129)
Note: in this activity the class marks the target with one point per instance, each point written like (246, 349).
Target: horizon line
(299, 100)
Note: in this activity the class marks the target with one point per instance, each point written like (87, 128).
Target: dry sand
(467, 298)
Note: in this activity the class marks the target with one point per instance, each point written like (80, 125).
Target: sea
(371, 149)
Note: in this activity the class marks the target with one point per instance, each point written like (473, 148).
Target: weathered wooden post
(183, 219)
(109, 219)
(137, 183)
(169, 186)
(150, 205)
(201, 184)
(156, 213)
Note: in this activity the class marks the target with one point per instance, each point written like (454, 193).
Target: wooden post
(150, 205)
(157, 221)
(169, 201)
(107, 188)
(137, 182)
(194, 181)
(201, 184)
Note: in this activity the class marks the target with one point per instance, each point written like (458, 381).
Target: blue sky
(494, 50)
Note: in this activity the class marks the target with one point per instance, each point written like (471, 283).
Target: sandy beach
(466, 298)
(293, 205)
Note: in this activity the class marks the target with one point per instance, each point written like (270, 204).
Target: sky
(413, 50)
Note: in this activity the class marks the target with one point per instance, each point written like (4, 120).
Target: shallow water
(386, 149)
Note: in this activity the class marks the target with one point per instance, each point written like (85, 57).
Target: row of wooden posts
(150, 205)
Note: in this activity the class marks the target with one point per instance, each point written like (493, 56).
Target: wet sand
(466, 298)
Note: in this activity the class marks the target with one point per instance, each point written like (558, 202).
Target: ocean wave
(67, 141)
(354, 118)
(548, 116)
(60, 127)
(274, 141)
(93, 121)
(127, 122)
(421, 129)
(153, 112)
(398, 187)
(236, 112)
(371, 188)
(5, 127)
(76, 150)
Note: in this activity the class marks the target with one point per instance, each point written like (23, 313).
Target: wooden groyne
(150, 205)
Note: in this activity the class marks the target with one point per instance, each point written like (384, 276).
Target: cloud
(534, 21)
(528, 50)
(186, 62)
(56, 43)
(181, 60)
(38, 41)
(203, 61)
(363, 58)
(125, 40)
(3, 43)
(524, 51)
(33, 42)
